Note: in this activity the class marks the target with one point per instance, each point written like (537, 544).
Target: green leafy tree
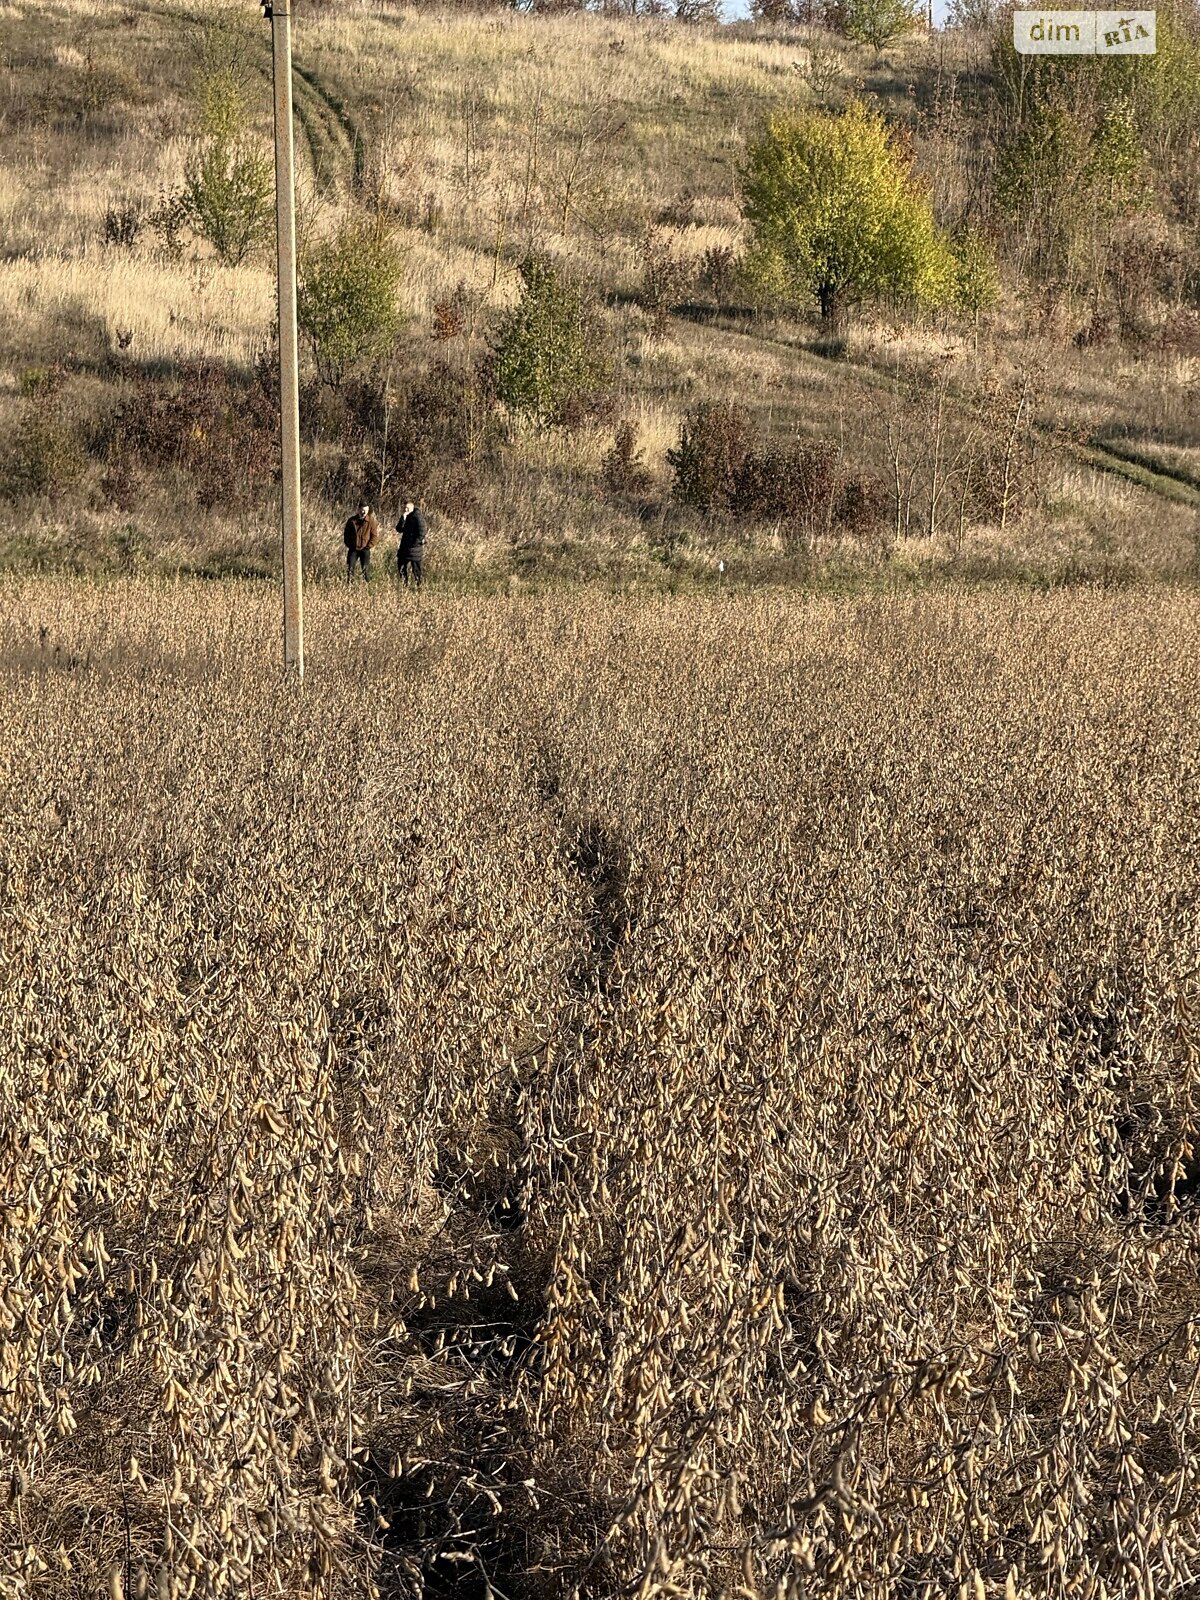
(229, 197)
(221, 93)
(1165, 91)
(1136, 108)
(836, 215)
(548, 361)
(976, 282)
(1117, 160)
(229, 183)
(348, 306)
(1088, 146)
(1069, 165)
(878, 22)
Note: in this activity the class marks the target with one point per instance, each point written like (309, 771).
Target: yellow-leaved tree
(837, 216)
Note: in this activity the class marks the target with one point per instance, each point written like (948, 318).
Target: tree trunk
(830, 297)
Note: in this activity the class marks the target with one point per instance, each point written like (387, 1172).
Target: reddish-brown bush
(623, 472)
(804, 488)
(714, 441)
(217, 427)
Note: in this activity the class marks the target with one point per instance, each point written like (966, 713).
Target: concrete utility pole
(280, 14)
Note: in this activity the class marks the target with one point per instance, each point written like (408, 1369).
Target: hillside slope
(139, 433)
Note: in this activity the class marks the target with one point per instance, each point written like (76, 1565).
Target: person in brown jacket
(360, 538)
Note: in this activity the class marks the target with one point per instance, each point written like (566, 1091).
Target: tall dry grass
(687, 1097)
(171, 311)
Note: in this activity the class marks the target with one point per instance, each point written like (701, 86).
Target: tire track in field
(1146, 463)
(341, 130)
(330, 132)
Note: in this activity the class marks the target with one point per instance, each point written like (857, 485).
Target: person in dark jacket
(360, 537)
(411, 553)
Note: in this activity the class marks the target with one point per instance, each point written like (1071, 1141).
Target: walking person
(411, 553)
(360, 537)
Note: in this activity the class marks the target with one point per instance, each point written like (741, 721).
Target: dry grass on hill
(695, 1097)
(479, 135)
(656, 109)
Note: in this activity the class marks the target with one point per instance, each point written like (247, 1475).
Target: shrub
(44, 452)
(878, 22)
(349, 307)
(1087, 144)
(1097, 331)
(795, 483)
(1043, 190)
(167, 221)
(589, 408)
(826, 65)
(719, 272)
(1004, 478)
(804, 488)
(666, 540)
(860, 505)
(427, 433)
(978, 16)
(454, 314)
(446, 414)
(454, 494)
(548, 361)
(123, 221)
(714, 441)
(836, 214)
(228, 194)
(205, 421)
(623, 471)
(95, 87)
(976, 283)
(666, 279)
(1180, 333)
(1140, 259)
(121, 483)
(1117, 164)
(229, 197)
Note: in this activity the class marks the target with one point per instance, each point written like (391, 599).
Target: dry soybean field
(596, 1096)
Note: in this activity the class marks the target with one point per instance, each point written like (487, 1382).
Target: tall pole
(280, 13)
